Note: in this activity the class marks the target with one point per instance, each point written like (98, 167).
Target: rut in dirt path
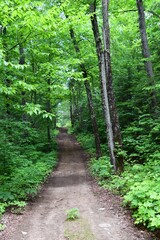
(69, 187)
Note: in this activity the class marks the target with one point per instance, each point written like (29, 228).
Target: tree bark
(93, 116)
(48, 108)
(110, 136)
(111, 98)
(71, 111)
(89, 97)
(71, 85)
(145, 50)
(109, 106)
(22, 62)
(8, 82)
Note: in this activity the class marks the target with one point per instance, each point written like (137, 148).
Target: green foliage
(24, 181)
(142, 138)
(50, 82)
(2, 208)
(101, 168)
(87, 142)
(138, 184)
(25, 163)
(2, 227)
(72, 214)
(144, 192)
(17, 206)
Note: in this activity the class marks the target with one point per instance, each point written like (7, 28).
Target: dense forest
(92, 66)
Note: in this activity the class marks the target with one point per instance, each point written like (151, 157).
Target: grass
(78, 230)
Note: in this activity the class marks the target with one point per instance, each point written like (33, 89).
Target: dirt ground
(101, 215)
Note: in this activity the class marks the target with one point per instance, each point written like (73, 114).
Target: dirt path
(69, 187)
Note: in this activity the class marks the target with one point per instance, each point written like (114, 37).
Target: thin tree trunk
(112, 104)
(48, 108)
(8, 82)
(34, 93)
(71, 89)
(22, 62)
(104, 94)
(108, 100)
(93, 117)
(89, 97)
(145, 50)
(110, 137)
(71, 110)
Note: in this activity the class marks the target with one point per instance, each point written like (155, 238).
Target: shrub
(138, 184)
(101, 168)
(87, 142)
(72, 214)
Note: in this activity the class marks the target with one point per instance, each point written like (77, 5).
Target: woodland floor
(101, 214)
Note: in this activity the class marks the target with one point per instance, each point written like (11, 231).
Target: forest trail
(69, 187)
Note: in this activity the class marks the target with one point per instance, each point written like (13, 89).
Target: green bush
(24, 181)
(101, 168)
(87, 142)
(24, 164)
(138, 184)
(142, 138)
(72, 214)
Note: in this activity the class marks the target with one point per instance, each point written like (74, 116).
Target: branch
(19, 42)
(155, 14)
(124, 11)
(93, 6)
(135, 10)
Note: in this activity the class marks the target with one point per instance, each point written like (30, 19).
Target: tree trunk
(110, 137)
(104, 93)
(22, 62)
(108, 100)
(145, 51)
(71, 110)
(89, 97)
(48, 108)
(93, 117)
(71, 85)
(8, 82)
(112, 104)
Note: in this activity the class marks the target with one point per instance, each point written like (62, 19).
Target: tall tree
(22, 62)
(110, 112)
(89, 97)
(146, 51)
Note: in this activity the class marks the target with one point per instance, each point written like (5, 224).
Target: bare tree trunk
(145, 50)
(93, 116)
(110, 137)
(71, 111)
(112, 104)
(22, 62)
(7, 81)
(48, 108)
(89, 97)
(104, 93)
(109, 107)
(71, 84)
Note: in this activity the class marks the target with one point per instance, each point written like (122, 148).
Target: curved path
(69, 187)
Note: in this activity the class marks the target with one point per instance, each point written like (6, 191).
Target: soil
(101, 215)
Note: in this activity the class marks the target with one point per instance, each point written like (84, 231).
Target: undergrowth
(25, 163)
(87, 142)
(138, 184)
(72, 214)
